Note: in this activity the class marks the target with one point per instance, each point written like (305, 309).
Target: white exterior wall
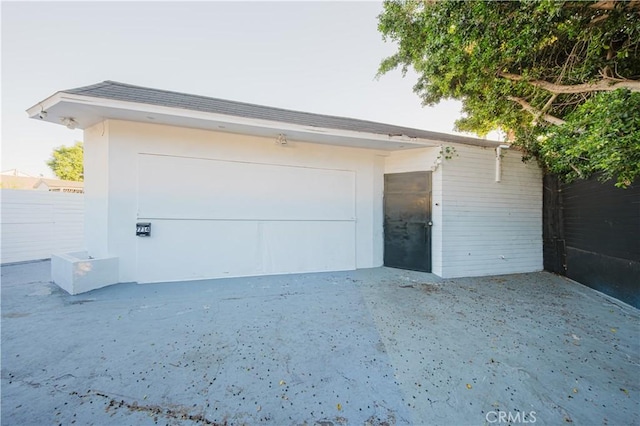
(126, 156)
(96, 188)
(36, 224)
(489, 227)
(140, 172)
(480, 226)
(412, 160)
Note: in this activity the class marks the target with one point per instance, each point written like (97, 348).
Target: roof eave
(43, 105)
(89, 110)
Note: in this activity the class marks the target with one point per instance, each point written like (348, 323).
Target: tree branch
(536, 113)
(604, 5)
(546, 106)
(611, 4)
(578, 172)
(598, 19)
(604, 85)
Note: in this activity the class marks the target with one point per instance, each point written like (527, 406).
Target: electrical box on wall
(143, 229)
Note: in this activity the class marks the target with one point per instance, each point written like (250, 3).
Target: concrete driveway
(368, 347)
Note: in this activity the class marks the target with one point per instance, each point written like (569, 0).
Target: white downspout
(499, 161)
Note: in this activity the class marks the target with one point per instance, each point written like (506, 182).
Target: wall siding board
(490, 227)
(480, 227)
(36, 224)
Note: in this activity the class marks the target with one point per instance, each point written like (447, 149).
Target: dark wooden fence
(591, 234)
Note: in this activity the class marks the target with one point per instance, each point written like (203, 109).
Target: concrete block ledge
(78, 272)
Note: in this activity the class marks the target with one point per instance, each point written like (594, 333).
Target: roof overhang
(86, 111)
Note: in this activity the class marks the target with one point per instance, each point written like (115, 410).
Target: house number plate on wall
(143, 229)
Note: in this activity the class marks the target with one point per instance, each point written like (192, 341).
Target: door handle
(425, 224)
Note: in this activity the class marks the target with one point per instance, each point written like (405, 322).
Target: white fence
(36, 224)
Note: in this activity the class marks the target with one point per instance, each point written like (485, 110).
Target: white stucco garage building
(234, 189)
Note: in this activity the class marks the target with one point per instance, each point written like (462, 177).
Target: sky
(318, 57)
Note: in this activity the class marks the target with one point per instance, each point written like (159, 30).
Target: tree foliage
(561, 78)
(67, 162)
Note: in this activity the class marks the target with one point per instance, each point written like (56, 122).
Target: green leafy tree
(561, 78)
(67, 162)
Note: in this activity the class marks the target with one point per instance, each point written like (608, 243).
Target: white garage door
(213, 218)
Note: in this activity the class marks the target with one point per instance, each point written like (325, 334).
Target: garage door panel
(173, 187)
(214, 218)
(199, 249)
(194, 249)
(308, 246)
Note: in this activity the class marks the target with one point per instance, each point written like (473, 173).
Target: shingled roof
(130, 93)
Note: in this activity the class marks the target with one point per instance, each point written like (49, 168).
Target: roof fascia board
(60, 97)
(44, 104)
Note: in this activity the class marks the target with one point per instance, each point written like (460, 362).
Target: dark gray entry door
(407, 221)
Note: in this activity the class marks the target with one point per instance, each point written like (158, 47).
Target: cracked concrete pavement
(368, 347)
